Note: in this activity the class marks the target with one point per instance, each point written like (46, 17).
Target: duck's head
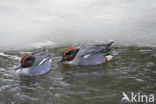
(69, 54)
(26, 61)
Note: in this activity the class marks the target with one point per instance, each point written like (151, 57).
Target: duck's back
(40, 55)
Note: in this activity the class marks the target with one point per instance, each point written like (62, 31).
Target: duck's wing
(94, 49)
(41, 56)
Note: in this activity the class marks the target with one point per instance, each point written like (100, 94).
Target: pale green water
(132, 70)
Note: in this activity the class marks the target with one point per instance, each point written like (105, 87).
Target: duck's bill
(60, 60)
(18, 67)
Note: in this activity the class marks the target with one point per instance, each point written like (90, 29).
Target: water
(27, 25)
(132, 70)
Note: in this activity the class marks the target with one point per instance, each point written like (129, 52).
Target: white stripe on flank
(86, 56)
(43, 61)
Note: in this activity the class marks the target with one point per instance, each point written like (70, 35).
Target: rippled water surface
(132, 70)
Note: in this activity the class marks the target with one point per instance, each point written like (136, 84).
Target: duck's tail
(108, 48)
(44, 49)
(109, 44)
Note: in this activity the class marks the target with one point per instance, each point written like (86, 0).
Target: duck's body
(89, 60)
(40, 66)
(92, 55)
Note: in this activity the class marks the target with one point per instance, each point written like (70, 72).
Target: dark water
(132, 70)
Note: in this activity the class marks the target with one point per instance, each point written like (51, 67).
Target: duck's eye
(71, 52)
(68, 52)
(30, 58)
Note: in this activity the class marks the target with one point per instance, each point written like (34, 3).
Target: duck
(87, 55)
(35, 63)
